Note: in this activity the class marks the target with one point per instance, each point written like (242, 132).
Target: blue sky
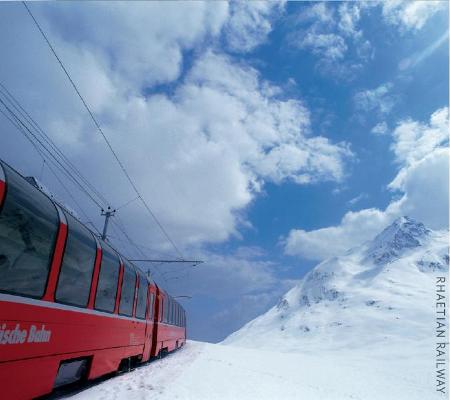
(266, 136)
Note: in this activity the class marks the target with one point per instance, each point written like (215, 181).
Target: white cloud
(425, 184)
(414, 140)
(410, 15)
(380, 129)
(332, 35)
(354, 228)
(250, 23)
(199, 152)
(143, 43)
(349, 16)
(332, 32)
(422, 182)
(357, 199)
(379, 99)
(330, 46)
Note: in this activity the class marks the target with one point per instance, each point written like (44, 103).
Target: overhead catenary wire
(50, 154)
(15, 120)
(15, 123)
(14, 102)
(121, 165)
(132, 243)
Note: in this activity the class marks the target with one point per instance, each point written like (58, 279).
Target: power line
(21, 110)
(127, 203)
(27, 129)
(43, 157)
(122, 167)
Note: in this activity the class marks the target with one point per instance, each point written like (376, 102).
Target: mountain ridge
(377, 292)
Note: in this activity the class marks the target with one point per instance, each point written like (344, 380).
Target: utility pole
(108, 213)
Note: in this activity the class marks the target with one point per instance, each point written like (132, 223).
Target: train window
(142, 298)
(160, 308)
(28, 227)
(105, 298)
(166, 310)
(150, 305)
(74, 282)
(127, 295)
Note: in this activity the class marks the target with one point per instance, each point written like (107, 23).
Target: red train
(71, 307)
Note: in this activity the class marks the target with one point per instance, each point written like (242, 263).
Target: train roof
(37, 185)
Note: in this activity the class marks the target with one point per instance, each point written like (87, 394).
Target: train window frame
(143, 288)
(166, 310)
(51, 217)
(151, 313)
(88, 235)
(107, 249)
(126, 269)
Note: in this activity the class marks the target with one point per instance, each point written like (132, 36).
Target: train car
(71, 307)
(170, 325)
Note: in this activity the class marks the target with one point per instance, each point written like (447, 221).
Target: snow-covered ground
(358, 326)
(203, 371)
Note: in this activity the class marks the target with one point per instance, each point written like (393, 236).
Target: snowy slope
(203, 371)
(379, 293)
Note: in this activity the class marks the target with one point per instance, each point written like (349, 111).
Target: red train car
(71, 307)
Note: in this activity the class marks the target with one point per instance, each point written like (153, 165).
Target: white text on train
(21, 336)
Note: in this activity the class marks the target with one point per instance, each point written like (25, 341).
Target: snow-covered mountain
(380, 292)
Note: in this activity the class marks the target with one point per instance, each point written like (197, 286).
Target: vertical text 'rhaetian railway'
(441, 334)
(71, 307)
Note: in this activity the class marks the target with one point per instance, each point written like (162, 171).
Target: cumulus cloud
(413, 140)
(380, 129)
(199, 151)
(421, 149)
(136, 42)
(410, 15)
(379, 100)
(331, 33)
(250, 22)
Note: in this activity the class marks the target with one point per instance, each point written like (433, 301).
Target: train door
(157, 313)
(151, 294)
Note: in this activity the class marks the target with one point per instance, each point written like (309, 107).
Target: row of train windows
(28, 228)
(173, 314)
